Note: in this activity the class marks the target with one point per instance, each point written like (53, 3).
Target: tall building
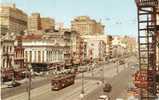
(19, 53)
(86, 26)
(34, 22)
(76, 48)
(12, 19)
(109, 46)
(37, 23)
(47, 24)
(99, 28)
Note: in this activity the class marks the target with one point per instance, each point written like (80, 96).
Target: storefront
(39, 67)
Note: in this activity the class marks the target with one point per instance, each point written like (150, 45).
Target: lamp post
(82, 90)
(102, 74)
(117, 63)
(92, 69)
(29, 83)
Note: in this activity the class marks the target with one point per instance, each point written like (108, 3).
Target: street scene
(79, 50)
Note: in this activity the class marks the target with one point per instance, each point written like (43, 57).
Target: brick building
(12, 19)
(86, 26)
(38, 24)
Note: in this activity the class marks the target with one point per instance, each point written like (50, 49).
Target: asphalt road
(7, 92)
(43, 91)
(119, 84)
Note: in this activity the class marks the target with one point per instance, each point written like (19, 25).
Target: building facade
(12, 19)
(86, 26)
(7, 45)
(12, 57)
(47, 24)
(95, 50)
(109, 47)
(34, 22)
(62, 38)
(43, 52)
(76, 48)
(19, 53)
(126, 42)
(107, 40)
(38, 24)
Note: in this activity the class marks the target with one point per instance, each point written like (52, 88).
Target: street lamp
(82, 91)
(103, 73)
(29, 83)
(93, 66)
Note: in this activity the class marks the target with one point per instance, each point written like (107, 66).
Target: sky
(118, 16)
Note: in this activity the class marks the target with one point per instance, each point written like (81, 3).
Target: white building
(118, 41)
(100, 44)
(7, 51)
(40, 50)
(95, 49)
(123, 44)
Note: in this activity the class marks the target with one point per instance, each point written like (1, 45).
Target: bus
(62, 81)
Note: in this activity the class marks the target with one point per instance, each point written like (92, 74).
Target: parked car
(14, 84)
(103, 97)
(121, 62)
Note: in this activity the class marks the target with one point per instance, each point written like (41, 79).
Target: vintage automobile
(103, 97)
(107, 87)
(14, 84)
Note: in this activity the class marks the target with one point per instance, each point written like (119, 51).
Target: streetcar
(62, 81)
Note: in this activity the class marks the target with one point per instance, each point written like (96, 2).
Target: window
(26, 56)
(4, 49)
(34, 56)
(7, 49)
(43, 56)
(3, 63)
(30, 56)
(39, 56)
(10, 48)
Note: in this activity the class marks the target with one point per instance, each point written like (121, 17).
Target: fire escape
(145, 79)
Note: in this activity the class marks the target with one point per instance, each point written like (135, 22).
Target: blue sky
(118, 16)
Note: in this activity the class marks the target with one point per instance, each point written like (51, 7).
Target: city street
(79, 49)
(92, 90)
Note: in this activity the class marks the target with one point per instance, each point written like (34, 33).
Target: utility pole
(82, 90)
(29, 83)
(117, 64)
(103, 73)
